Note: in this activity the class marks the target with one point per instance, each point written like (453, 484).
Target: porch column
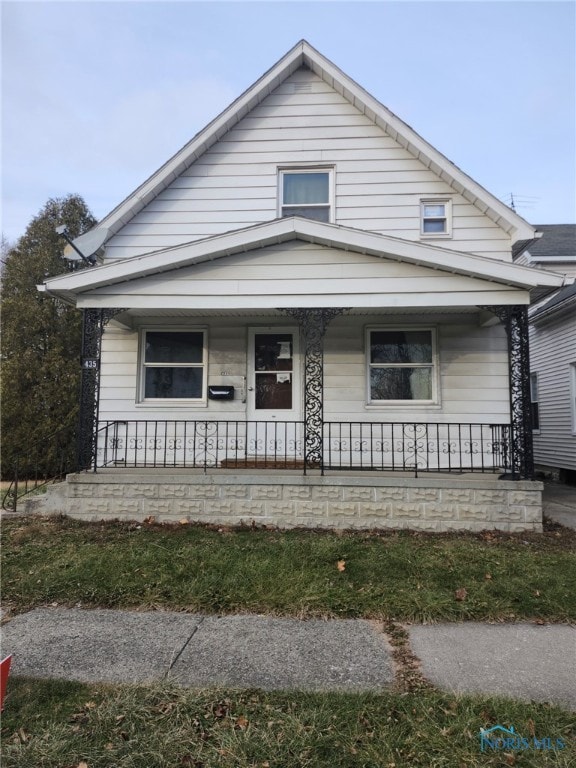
(515, 320)
(313, 324)
(93, 324)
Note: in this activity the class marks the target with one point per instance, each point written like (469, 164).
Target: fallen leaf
(82, 764)
(149, 520)
(488, 576)
(531, 727)
(510, 759)
(341, 565)
(183, 521)
(242, 722)
(461, 594)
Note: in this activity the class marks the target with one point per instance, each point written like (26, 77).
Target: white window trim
(435, 364)
(168, 402)
(447, 203)
(534, 376)
(329, 169)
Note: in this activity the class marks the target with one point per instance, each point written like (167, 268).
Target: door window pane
(273, 352)
(273, 391)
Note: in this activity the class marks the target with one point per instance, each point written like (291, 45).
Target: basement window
(306, 192)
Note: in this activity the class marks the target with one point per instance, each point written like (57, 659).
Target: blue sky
(97, 95)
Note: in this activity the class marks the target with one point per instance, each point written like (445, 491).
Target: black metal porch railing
(403, 447)
(417, 447)
(44, 462)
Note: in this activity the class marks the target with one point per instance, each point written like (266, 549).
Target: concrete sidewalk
(559, 503)
(525, 661)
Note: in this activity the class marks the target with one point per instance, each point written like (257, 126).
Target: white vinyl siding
(552, 357)
(234, 184)
(473, 371)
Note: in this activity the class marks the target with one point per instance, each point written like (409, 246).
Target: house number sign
(89, 363)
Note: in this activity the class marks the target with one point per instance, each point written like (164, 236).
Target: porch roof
(468, 279)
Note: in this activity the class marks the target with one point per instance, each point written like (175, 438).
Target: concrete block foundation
(289, 500)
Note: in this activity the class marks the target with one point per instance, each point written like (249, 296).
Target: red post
(4, 672)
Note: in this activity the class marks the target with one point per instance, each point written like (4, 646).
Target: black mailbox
(224, 392)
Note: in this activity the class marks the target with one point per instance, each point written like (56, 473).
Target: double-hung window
(401, 365)
(573, 396)
(306, 192)
(173, 365)
(534, 402)
(435, 218)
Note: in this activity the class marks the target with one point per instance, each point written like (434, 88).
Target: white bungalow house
(307, 316)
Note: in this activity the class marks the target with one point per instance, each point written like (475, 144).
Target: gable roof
(304, 55)
(278, 231)
(563, 302)
(558, 242)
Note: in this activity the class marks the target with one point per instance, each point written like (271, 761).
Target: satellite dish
(91, 242)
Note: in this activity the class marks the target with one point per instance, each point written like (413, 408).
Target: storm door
(274, 393)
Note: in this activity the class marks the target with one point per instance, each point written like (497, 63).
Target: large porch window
(173, 365)
(401, 365)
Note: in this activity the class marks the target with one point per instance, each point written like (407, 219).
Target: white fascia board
(282, 230)
(287, 301)
(304, 53)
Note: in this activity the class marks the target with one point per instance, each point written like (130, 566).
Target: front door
(274, 396)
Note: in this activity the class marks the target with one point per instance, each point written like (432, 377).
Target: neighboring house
(553, 354)
(307, 289)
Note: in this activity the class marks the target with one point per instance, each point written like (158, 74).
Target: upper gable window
(435, 218)
(307, 193)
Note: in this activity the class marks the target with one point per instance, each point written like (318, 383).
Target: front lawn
(51, 724)
(403, 576)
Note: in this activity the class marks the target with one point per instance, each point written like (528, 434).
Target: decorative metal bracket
(515, 321)
(93, 324)
(313, 323)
